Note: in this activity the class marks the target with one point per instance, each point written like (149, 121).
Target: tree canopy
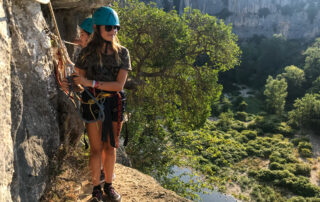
(276, 93)
(312, 61)
(176, 61)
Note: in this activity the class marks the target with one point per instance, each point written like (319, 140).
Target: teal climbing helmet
(105, 16)
(87, 25)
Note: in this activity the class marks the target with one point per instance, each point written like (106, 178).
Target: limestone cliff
(291, 18)
(36, 118)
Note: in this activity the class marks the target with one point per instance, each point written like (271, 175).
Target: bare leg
(96, 146)
(109, 155)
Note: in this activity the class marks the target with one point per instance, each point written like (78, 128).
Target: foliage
(164, 48)
(251, 135)
(242, 106)
(265, 193)
(312, 61)
(268, 124)
(305, 149)
(225, 121)
(285, 129)
(306, 112)
(295, 79)
(263, 57)
(283, 178)
(315, 88)
(242, 116)
(226, 104)
(293, 75)
(276, 93)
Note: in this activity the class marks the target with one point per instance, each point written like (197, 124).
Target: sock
(106, 185)
(97, 187)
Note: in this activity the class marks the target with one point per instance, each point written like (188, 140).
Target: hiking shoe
(111, 193)
(102, 177)
(97, 195)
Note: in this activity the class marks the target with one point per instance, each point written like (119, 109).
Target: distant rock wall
(293, 19)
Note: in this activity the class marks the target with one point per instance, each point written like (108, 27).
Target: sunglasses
(110, 27)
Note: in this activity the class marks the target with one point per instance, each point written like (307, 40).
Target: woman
(86, 29)
(103, 66)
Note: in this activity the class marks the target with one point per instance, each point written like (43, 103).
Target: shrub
(272, 175)
(276, 157)
(297, 199)
(242, 138)
(285, 129)
(302, 169)
(296, 141)
(241, 116)
(305, 152)
(243, 106)
(301, 186)
(304, 145)
(265, 193)
(252, 173)
(276, 166)
(267, 124)
(237, 125)
(250, 134)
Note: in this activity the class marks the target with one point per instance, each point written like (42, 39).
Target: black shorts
(91, 112)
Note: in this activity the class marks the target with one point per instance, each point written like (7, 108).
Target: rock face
(30, 131)
(295, 19)
(36, 118)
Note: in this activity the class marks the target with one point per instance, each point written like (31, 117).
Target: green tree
(295, 79)
(293, 75)
(306, 112)
(312, 61)
(315, 88)
(276, 93)
(171, 89)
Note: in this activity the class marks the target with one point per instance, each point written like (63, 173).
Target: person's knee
(95, 150)
(109, 150)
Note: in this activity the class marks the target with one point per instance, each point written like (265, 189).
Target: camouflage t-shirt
(107, 70)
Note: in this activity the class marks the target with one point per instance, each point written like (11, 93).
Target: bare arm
(102, 85)
(114, 85)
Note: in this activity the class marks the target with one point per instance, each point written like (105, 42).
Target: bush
(267, 124)
(304, 149)
(243, 106)
(276, 157)
(250, 134)
(272, 175)
(285, 129)
(305, 153)
(241, 116)
(296, 141)
(300, 185)
(276, 166)
(265, 193)
(237, 125)
(304, 145)
(302, 169)
(242, 138)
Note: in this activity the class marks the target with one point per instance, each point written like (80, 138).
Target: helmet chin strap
(108, 43)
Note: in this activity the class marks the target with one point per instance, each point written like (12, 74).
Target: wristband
(96, 84)
(93, 83)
